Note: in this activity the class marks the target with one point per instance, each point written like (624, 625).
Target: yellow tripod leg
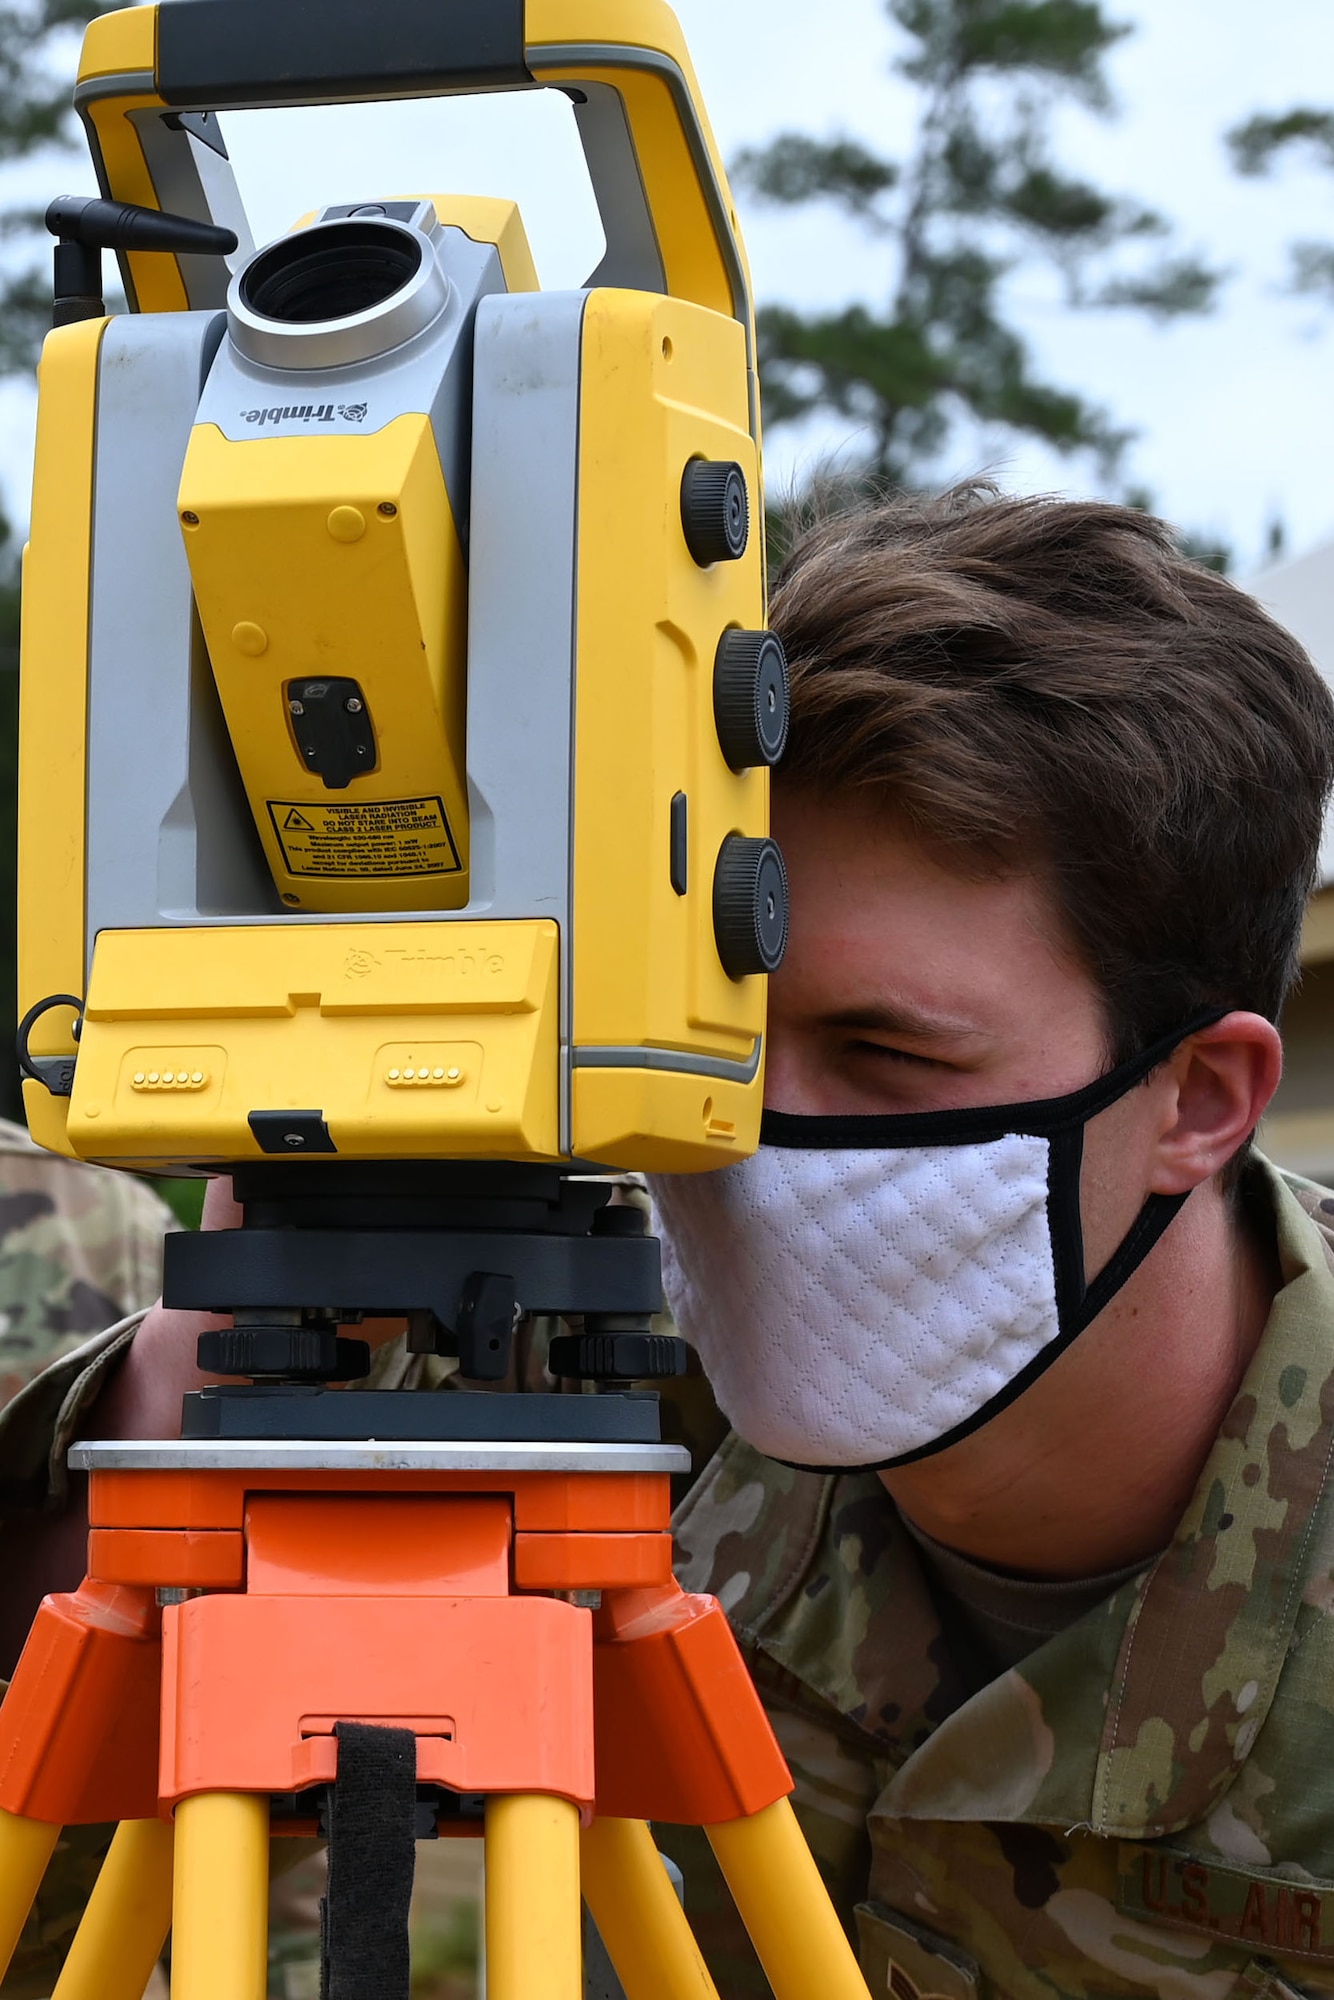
(123, 1929)
(26, 1845)
(638, 1916)
(220, 1907)
(785, 1906)
(534, 1943)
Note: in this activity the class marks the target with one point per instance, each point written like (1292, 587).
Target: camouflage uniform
(1145, 1805)
(79, 1247)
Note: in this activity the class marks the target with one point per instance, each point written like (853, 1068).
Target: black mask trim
(1062, 1121)
(1039, 1118)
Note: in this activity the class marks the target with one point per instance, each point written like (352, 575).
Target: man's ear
(1224, 1077)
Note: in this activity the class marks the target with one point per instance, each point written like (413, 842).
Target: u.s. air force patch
(1252, 1908)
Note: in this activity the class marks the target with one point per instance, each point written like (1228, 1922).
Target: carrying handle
(151, 75)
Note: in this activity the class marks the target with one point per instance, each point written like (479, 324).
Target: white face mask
(866, 1290)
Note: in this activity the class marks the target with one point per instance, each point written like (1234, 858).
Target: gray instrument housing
(170, 836)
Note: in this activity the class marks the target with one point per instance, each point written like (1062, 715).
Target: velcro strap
(372, 1856)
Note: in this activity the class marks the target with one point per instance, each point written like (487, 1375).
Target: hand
(143, 1399)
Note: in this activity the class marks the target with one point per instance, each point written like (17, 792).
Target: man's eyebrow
(886, 1019)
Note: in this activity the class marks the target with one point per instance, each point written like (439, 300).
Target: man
(1057, 1683)
(1055, 1680)
(80, 1254)
(80, 1249)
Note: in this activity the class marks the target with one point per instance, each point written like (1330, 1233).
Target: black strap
(372, 1856)
(1158, 1211)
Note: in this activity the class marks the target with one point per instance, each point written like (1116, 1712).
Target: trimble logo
(307, 413)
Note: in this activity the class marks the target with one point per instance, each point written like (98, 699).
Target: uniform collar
(1208, 1633)
(1133, 1721)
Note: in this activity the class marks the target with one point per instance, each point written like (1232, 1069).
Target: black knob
(620, 1219)
(290, 1353)
(616, 1353)
(751, 698)
(750, 906)
(715, 511)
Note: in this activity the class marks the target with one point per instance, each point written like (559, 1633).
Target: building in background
(1299, 1131)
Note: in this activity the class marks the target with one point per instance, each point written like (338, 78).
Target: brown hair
(1050, 684)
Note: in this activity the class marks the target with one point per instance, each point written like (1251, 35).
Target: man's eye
(884, 1052)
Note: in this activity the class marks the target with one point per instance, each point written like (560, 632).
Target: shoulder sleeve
(38, 1425)
(748, 1531)
(80, 1248)
(122, 1240)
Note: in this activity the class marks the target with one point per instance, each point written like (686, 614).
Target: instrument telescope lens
(331, 273)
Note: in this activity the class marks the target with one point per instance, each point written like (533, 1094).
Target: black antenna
(84, 227)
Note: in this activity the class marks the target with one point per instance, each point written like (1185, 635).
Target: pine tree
(1256, 145)
(977, 196)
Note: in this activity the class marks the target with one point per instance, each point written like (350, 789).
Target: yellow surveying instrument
(397, 709)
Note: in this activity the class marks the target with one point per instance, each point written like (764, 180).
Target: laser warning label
(377, 837)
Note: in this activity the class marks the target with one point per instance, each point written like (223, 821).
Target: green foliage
(446, 1949)
(1256, 146)
(1208, 550)
(34, 106)
(25, 315)
(1066, 39)
(185, 1198)
(1178, 285)
(1312, 269)
(788, 516)
(797, 169)
(35, 111)
(1205, 549)
(977, 196)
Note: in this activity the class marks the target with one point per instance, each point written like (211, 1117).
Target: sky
(1234, 412)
